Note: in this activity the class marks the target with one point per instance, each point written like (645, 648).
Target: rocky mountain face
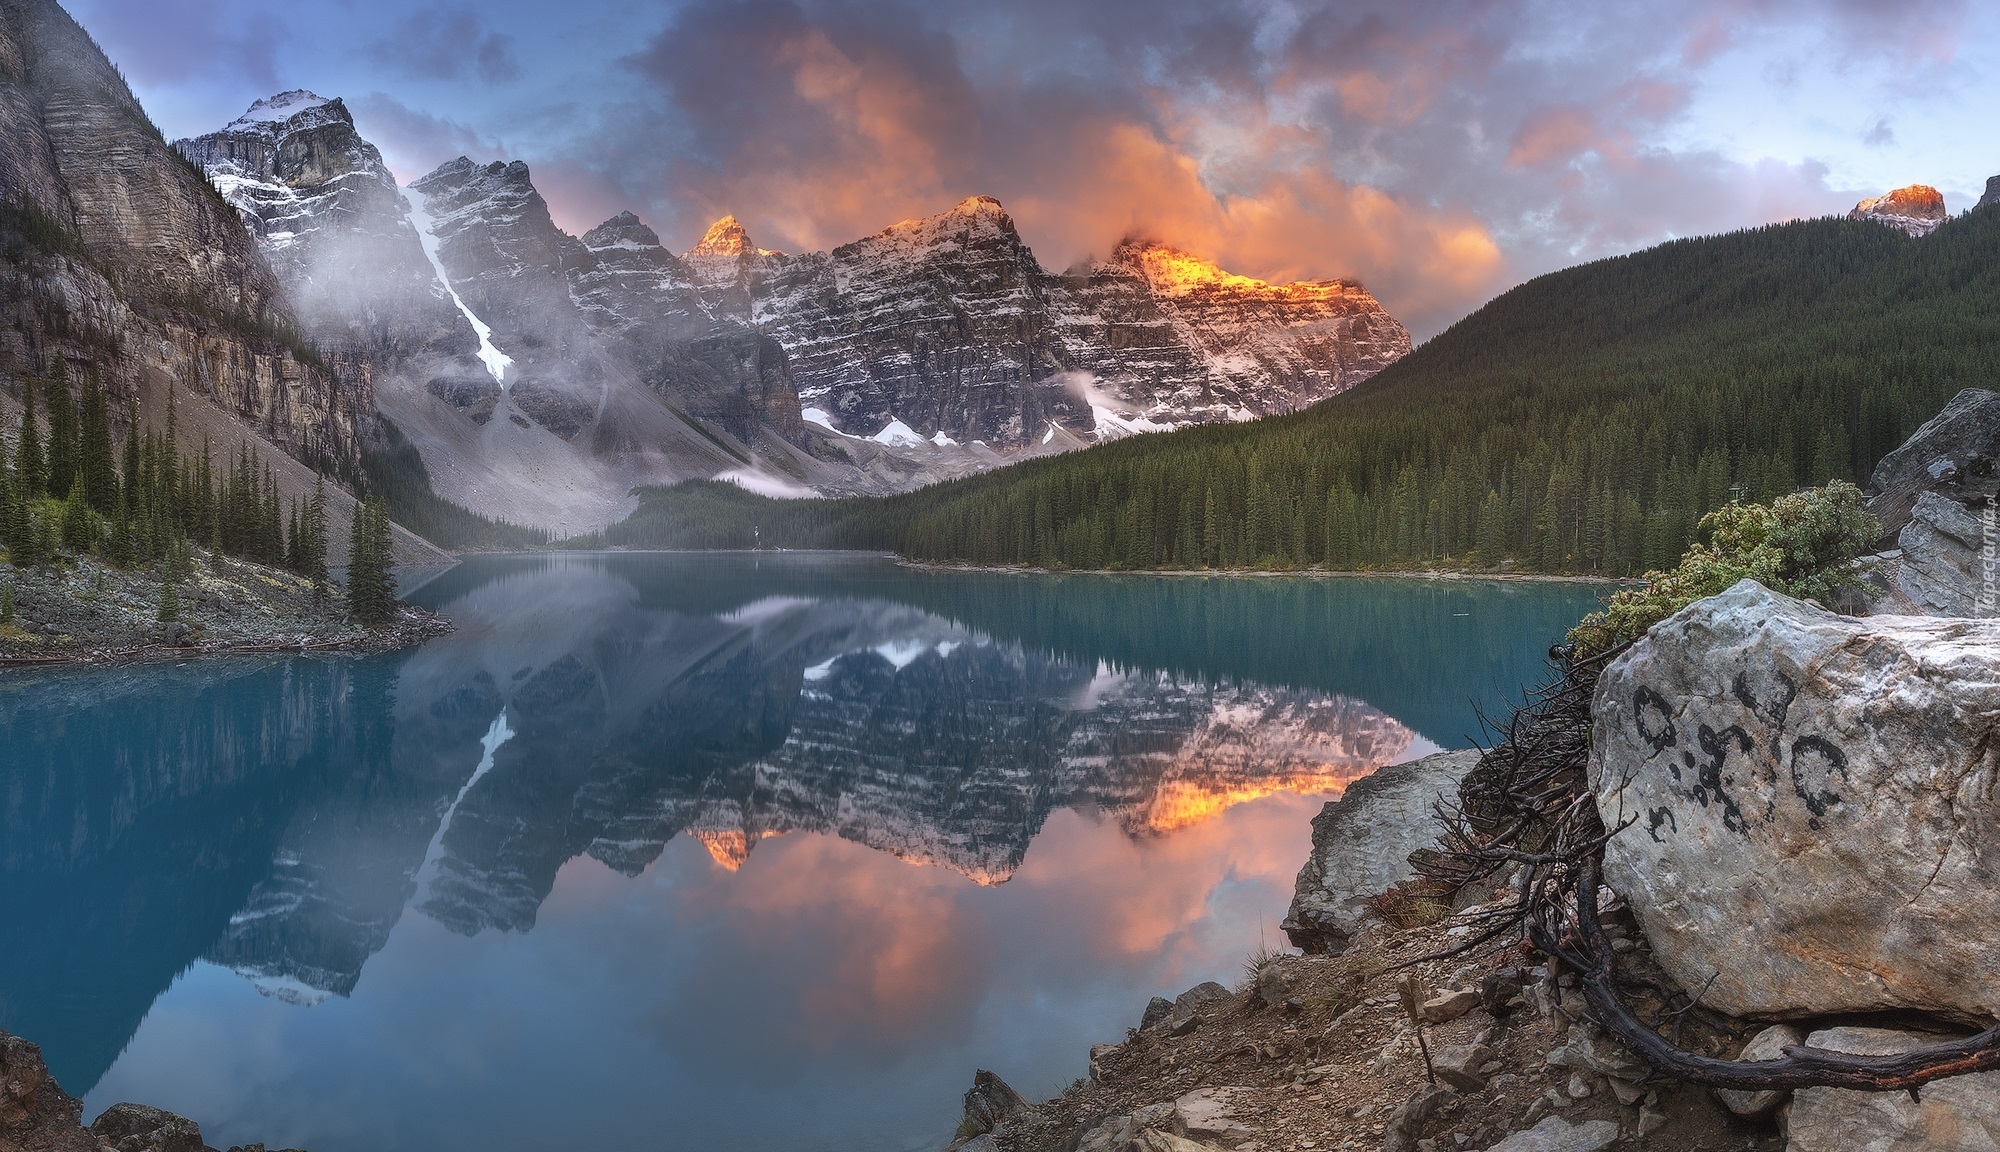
(333, 224)
(116, 253)
(950, 327)
(542, 375)
(1992, 193)
(1915, 211)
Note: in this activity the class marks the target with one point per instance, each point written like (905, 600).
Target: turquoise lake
(755, 851)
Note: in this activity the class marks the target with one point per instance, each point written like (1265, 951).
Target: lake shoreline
(1025, 570)
(1441, 574)
(414, 626)
(85, 613)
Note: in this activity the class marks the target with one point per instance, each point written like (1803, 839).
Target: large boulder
(1812, 805)
(1362, 844)
(36, 1115)
(1953, 455)
(1935, 499)
(1959, 1114)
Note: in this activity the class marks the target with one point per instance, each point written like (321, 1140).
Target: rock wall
(116, 253)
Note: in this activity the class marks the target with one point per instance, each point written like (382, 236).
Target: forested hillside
(1582, 422)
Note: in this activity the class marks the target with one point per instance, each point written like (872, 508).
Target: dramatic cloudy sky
(1437, 151)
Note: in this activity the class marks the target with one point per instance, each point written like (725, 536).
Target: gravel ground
(85, 611)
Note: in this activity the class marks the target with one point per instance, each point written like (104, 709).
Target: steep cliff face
(709, 361)
(116, 253)
(1915, 211)
(949, 327)
(943, 323)
(333, 224)
(1181, 340)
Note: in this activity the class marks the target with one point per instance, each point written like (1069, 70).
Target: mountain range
(541, 375)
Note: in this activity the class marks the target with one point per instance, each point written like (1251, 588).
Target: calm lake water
(677, 851)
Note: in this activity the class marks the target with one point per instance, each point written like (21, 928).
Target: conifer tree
(174, 569)
(315, 544)
(132, 472)
(95, 460)
(7, 600)
(62, 431)
(79, 526)
(31, 469)
(371, 590)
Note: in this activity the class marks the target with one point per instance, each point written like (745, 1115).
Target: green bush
(1799, 545)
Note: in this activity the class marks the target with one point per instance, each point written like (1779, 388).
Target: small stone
(1769, 1044)
(1579, 1088)
(1212, 1114)
(1100, 1061)
(1651, 1120)
(1499, 989)
(1627, 1092)
(1450, 1006)
(1406, 1125)
(1185, 1025)
(1459, 1066)
(1157, 1010)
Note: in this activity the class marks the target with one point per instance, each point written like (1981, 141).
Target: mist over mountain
(540, 376)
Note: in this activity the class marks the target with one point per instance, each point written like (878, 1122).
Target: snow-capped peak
(279, 108)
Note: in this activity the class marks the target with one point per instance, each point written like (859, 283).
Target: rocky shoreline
(84, 611)
(1796, 869)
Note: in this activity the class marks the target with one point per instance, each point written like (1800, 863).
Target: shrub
(1800, 545)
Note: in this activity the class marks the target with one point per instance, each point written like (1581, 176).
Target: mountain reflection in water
(293, 898)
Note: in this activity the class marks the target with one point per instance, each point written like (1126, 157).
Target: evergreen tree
(95, 460)
(79, 524)
(62, 431)
(131, 473)
(371, 589)
(315, 543)
(177, 566)
(7, 600)
(31, 469)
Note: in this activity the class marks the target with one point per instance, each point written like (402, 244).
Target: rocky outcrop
(1960, 1114)
(1810, 800)
(1953, 455)
(115, 252)
(1935, 498)
(36, 1115)
(1992, 193)
(1914, 211)
(1362, 844)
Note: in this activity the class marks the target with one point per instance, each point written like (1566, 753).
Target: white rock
(1213, 1114)
(1769, 1044)
(1555, 1134)
(1815, 805)
(1960, 1114)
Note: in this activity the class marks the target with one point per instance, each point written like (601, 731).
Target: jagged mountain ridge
(542, 375)
(553, 432)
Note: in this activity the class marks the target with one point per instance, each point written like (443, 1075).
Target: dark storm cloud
(440, 43)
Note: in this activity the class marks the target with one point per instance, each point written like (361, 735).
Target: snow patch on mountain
(497, 362)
